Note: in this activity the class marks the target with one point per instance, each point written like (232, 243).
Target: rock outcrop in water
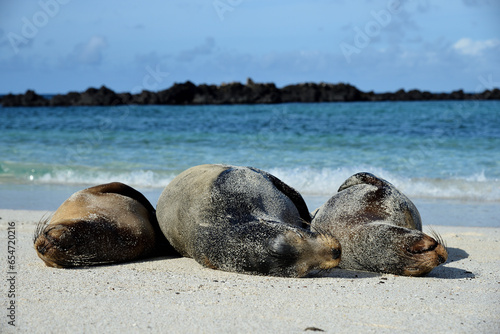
(28, 99)
(235, 93)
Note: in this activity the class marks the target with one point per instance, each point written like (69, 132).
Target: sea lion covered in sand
(103, 224)
(243, 220)
(379, 229)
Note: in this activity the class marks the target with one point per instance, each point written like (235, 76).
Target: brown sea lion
(243, 220)
(379, 229)
(103, 224)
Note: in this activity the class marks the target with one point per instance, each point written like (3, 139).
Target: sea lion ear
(363, 178)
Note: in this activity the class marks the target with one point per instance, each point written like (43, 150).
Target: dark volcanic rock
(491, 94)
(91, 97)
(69, 99)
(28, 99)
(206, 94)
(306, 92)
(182, 93)
(457, 95)
(233, 93)
(125, 98)
(99, 97)
(323, 92)
(262, 93)
(340, 92)
(145, 97)
(237, 93)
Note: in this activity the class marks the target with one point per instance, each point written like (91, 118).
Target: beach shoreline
(179, 295)
(446, 212)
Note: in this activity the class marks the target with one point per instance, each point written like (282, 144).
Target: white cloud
(202, 50)
(89, 53)
(470, 47)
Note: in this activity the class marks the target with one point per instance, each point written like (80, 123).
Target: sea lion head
(55, 244)
(79, 243)
(305, 251)
(383, 247)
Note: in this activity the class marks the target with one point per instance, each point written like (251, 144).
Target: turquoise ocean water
(435, 152)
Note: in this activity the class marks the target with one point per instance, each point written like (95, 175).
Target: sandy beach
(177, 295)
(312, 95)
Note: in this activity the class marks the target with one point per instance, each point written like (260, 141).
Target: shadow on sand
(442, 271)
(342, 273)
(446, 272)
(114, 264)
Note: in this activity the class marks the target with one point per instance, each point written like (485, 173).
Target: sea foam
(308, 181)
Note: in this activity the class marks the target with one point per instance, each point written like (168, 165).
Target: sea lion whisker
(320, 272)
(324, 234)
(433, 233)
(299, 234)
(82, 260)
(317, 230)
(40, 226)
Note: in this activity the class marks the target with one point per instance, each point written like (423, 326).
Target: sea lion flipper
(124, 190)
(293, 195)
(363, 178)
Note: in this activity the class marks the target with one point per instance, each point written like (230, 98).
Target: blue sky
(57, 46)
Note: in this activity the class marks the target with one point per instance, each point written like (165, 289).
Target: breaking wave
(308, 181)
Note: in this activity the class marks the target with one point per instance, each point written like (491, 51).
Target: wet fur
(379, 229)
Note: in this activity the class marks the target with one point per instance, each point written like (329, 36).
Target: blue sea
(444, 155)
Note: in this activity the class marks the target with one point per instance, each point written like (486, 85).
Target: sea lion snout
(426, 254)
(47, 243)
(305, 251)
(318, 251)
(59, 245)
(333, 252)
(59, 236)
(336, 253)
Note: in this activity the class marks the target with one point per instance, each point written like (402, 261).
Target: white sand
(176, 295)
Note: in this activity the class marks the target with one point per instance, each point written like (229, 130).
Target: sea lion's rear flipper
(364, 178)
(124, 190)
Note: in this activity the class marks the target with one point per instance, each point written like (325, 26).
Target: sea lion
(379, 229)
(242, 219)
(103, 224)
